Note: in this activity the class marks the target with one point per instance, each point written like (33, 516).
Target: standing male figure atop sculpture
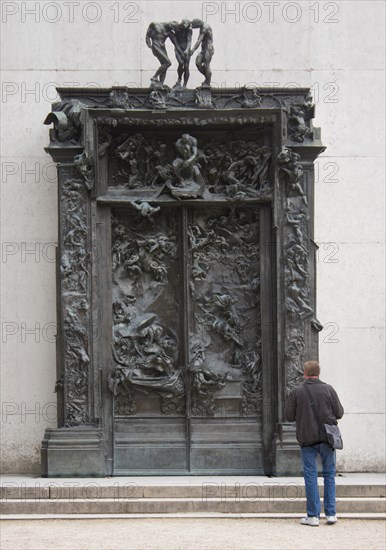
(183, 37)
(312, 441)
(156, 36)
(205, 39)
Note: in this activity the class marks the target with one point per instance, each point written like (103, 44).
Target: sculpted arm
(174, 41)
(193, 148)
(199, 41)
(189, 44)
(148, 35)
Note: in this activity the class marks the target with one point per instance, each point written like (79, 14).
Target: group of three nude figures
(180, 34)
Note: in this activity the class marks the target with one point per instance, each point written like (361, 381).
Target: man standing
(328, 409)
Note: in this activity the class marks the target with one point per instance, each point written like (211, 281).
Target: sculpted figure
(205, 40)
(156, 36)
(298, 126)
(184, 165)
(183, 39)
(296, 301)
(289, 163)
(180, 34)
(144, 208)
(190, 183)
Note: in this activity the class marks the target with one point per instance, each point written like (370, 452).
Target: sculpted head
(172, 25)
(197, 23)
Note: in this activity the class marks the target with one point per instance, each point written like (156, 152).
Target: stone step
(176, 505)
(343, 515)
(94, 490)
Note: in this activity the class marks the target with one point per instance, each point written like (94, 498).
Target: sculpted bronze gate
(186, 347)
(186, 279)
(187, 378)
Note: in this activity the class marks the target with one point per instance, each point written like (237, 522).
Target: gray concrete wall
(336, 48)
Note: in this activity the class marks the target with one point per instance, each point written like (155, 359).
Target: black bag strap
(312, 402)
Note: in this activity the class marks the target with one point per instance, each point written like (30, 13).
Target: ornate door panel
(148, 382)
(224, 339)
(186, 340)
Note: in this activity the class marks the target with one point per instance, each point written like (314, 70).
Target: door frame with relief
(193, 303)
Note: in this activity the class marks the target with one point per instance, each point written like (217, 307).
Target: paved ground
(190, 534)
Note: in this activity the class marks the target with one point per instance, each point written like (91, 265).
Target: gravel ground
(190, 534)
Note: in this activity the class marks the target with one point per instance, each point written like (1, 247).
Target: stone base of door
(73, 452)
(288, 461)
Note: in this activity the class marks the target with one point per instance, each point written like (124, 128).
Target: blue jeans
(310, 472)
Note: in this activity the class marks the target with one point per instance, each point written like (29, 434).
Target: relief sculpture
(225, 332)
(237, 169)
(205, 384)
(137, 161)
(145, 350)
(145, 354)
(187, 182)
(296, 265)
(74, 272)
(186, 241)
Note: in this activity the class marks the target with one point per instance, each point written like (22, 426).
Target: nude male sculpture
(156, 36)
(205, 39)
(183, 37)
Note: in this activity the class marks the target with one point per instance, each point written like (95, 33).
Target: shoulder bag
(330, 432)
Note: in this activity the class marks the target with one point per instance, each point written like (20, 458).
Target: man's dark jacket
(299, 408)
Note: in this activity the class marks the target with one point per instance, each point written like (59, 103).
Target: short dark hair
(311, 368)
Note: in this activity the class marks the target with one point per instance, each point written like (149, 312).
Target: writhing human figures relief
(204, 383)
(139, 162)
(145, 349)
(77, 360)
(145, 356)
(296, 263)
(297, 125)
(237, 169)
(221, 316)
(298, 114)
(129, 155)
(290, 166)
(86, 169)
(75, 256)
(230, 328)
(139, 250)
(74, 272)
(294, 354)
(252, 383)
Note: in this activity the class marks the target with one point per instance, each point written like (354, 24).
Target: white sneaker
(331, 519)
(311, 521)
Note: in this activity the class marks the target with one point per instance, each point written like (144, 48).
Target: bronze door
(187, 370)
